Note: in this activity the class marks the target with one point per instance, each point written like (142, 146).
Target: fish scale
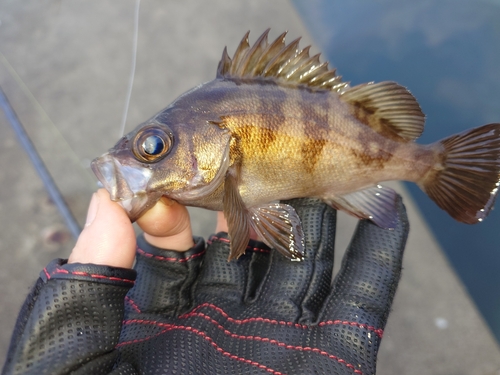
(276, 124)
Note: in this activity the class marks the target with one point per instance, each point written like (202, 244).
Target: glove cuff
(145, 249)
(60, 269)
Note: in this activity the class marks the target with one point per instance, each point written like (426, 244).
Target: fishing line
(30, 149)
(132, 73)
(52, 126)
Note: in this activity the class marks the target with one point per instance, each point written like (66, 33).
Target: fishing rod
(39, 165)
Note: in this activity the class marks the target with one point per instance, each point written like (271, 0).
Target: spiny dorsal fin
(387, 107)
(279, 61)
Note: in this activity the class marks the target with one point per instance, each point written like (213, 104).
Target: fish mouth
(126, 184)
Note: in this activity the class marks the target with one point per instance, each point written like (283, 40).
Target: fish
(276, 124)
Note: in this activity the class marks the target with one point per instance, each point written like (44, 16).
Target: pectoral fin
(377, 203)
(276, 224)
(279, 227)
(237, 216)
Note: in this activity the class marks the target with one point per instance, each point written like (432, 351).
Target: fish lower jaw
(122, 181)
(138, 204)
(127, 203)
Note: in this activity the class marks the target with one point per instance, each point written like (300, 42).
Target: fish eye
(152, 144)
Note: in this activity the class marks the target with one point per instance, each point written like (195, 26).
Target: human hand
(263, 313)
(193, 312)
(108, 228)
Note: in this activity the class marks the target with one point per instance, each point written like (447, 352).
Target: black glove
(195, 313)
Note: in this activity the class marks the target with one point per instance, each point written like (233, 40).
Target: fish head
(182, 161)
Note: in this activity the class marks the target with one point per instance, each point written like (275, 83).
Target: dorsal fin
(388, 108)
(280, 62)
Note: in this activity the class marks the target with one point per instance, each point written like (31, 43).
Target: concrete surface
(65, 66)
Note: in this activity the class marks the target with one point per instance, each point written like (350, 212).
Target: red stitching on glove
(132, 304)
(280, 343)
(136, 341)
(80, 273)
(257, 249)
(202, 334)
(238, 337)
(377, 331)
(169, 259)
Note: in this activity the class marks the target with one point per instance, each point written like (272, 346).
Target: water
(448, 54)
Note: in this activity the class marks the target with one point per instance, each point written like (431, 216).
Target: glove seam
(227, 241)
(168, 259)
(378, 331)
(61, 270)
(129, 301)
(203, 335)
(53, 274)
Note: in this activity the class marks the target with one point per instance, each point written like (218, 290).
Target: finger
(108, 237)
(371, 268)
(165, 278)
(230, 283)
(168, 260)
(167, 226)
(296, 290)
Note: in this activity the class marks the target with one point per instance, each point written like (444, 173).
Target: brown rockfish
(277, 124)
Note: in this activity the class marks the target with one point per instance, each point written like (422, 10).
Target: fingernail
(93, 206)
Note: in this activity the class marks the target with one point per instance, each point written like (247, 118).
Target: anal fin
(377, 203)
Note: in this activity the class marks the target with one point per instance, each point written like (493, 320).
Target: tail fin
(467, 183)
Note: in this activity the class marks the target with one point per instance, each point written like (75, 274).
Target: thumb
(167, 226)
(108, 237)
